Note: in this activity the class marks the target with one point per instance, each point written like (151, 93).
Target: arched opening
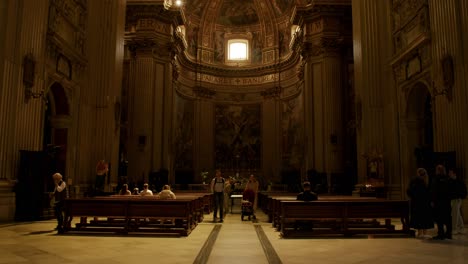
(419, 126)
(56, 124)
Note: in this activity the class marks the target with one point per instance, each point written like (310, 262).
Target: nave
(234, 241)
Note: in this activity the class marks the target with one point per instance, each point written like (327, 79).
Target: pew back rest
(96, 207)
(311, 210)
(378, 209)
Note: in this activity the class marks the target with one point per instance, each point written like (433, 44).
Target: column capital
(322, 45)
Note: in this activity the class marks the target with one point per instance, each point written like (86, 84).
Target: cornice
(232, 71)
(317, 8)
(159, 12)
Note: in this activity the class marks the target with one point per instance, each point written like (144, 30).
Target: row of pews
(346, 215)
(137, 214)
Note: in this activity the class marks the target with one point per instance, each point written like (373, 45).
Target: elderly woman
(166, 193)
(125, 190)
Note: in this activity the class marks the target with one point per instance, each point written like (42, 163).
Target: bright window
(238, 49)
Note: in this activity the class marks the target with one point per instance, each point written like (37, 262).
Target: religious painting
(238, 13)
(292, 133)
(183, 133)
(238, 141)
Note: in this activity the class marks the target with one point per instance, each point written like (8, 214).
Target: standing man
(458, 189)
(441, 196)
(60, 193)
(217, 187)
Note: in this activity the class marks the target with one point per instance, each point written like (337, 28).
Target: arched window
(238, 50)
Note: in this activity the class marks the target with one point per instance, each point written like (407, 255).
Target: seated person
(307, 194)
(136, 191)
(146, 191)
(125, 190)
(166, 193)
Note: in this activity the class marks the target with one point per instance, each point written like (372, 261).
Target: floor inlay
(205, 251)
(268, 249)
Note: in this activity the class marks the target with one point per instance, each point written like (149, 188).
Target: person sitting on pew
(307, 195)
(166, 193)
(125, 190)
(146, 191)
(136, 191)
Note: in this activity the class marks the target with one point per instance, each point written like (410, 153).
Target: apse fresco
(292, 133)
(238, 140)
(183, 133)
(238, 13)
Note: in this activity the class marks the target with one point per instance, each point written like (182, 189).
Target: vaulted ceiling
(263, 22)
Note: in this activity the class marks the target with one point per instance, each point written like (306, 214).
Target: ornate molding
(322, 45)
(203, 92)
(159, 12)
(274, 92)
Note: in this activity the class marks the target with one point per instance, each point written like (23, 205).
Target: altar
(236, 201)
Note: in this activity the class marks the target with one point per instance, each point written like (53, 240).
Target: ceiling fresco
(237, 13)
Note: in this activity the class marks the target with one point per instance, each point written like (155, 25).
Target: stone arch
(418, 127)
(56, 124)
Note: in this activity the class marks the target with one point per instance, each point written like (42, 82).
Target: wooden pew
(135, 214)
(345, 217)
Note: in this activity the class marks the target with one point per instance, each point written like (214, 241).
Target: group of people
(166, 192)
(221, 188)
(437, 200)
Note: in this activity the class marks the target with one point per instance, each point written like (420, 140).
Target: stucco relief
(410, 23)
(238, 141)
(405, 10)
(66, 21)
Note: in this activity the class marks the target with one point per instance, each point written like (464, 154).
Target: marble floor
(233, 241)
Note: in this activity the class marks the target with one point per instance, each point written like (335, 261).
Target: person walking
(217, 188)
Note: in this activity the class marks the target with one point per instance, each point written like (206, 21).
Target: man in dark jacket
(307, 194)
(441, 197)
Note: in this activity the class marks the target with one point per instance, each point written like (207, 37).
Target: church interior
(351, 95)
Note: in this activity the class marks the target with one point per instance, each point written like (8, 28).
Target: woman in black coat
(420, 203)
